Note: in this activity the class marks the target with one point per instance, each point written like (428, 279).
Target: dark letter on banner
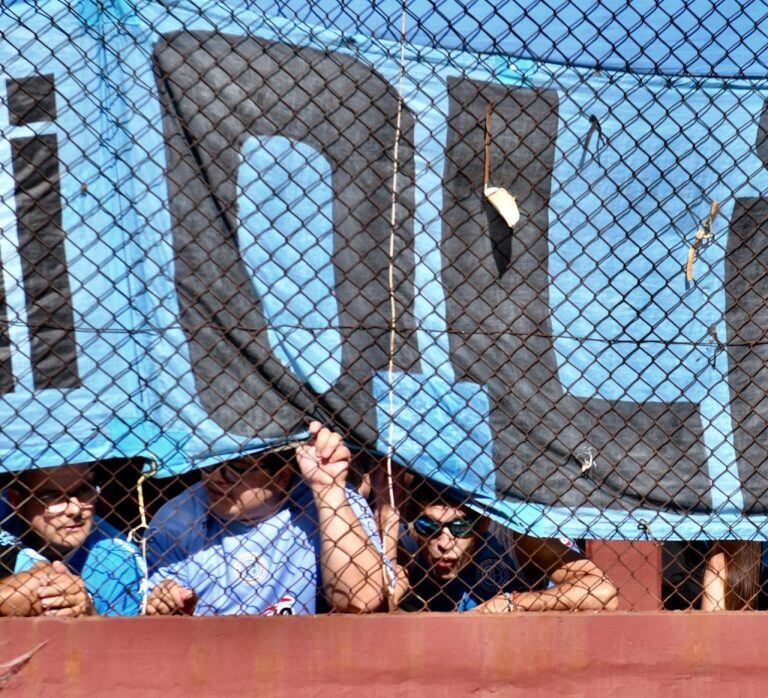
(218, 90)
(496, 282)
(41, 237)
(746, 293)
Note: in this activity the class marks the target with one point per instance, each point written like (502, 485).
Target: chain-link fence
(365, 306)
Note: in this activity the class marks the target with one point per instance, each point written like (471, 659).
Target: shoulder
(493, 545)
(304, 509)
(301, 499)
(358, 503)
(182, 514)
(106, 543)
(10, 547)
(496, 566)
(103, 530)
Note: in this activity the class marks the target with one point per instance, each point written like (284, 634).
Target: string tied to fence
(504, 203)
(703, 233)
(137, 533)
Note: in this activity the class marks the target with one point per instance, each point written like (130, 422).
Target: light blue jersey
(271, 567)
(111, 568)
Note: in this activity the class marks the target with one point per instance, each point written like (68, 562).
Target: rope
(143, 526)
(391, 261)
(391, 580)
(487, 171)
(703, 233)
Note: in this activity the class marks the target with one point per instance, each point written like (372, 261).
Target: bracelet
(510, 606)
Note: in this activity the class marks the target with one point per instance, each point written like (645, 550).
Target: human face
(57, 505)
(242, 490)
(445, 553)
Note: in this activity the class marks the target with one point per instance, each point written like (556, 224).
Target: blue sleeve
(176, 531)
(115, 576)
(165, 557)
(26, 559)
(365, 516)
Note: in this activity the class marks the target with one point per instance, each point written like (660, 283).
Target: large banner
(221, 220)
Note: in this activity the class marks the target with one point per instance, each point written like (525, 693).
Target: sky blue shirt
(271, 567)
(110, 566)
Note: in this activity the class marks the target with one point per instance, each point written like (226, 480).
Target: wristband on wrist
(511, 602)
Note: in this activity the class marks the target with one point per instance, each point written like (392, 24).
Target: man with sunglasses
(255, 537)
(455, 564)
(67, 560)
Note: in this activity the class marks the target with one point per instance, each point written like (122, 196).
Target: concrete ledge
(608, 654)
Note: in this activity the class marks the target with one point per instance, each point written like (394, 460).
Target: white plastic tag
(504, 203)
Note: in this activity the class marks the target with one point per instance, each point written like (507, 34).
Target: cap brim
(275, 447)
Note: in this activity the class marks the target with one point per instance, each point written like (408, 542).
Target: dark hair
(19, 481)
(425, 492)
(742, 573)
(363, 462)
(274, 461)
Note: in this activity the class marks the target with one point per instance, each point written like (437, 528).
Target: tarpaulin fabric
(198, 249)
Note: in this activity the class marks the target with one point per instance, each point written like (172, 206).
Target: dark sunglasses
(427, 527)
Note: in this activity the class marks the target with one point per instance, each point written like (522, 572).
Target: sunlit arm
(578, 584)
(19, 592)
(351, 566)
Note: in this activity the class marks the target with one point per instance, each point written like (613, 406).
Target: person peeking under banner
(256, 537)
(732, 576)
(20, 593)
(66, 561)
(453, 563)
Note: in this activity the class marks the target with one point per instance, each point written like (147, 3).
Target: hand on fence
(18, 593)
(169, 598)
(324, 460)
(63, 593)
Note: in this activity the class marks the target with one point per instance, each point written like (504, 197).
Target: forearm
(584, 593)
(351, 565)
(579, 586)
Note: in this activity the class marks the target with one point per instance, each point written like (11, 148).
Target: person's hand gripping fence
(324, 460)
(169, 598)
(63, 594)
(349, 560)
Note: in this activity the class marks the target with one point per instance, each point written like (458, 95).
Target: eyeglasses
(427, 527)
(57, 501)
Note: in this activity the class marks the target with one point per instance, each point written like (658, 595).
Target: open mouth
(445, 564)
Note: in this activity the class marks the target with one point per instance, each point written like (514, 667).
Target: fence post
(634, 567)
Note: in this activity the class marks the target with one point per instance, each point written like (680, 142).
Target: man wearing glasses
(456, 565)
(68, 561)
(256, 537)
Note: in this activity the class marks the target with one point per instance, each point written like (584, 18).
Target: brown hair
(742, 573)
(423, 492)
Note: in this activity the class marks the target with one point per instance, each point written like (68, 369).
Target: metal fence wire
(374, 306)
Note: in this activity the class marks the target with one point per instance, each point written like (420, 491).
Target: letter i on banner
(52, 349)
